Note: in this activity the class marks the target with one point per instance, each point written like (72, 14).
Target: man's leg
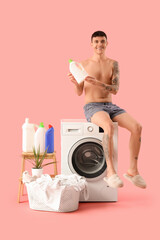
(102, 119)
(126, 121)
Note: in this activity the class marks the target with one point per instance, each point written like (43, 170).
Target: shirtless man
(102, 82)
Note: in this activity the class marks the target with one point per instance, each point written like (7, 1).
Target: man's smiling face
(99, 44)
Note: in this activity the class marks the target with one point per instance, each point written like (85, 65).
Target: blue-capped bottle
(49, 139)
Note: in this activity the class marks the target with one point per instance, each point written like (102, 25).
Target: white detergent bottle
(28, 133)
(77, 71)
(39, 139)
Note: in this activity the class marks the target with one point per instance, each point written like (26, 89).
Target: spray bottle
(49, 139)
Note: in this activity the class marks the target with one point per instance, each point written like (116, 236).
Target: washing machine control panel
(90, 129)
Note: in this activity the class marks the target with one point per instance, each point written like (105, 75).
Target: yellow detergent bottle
(77, 71)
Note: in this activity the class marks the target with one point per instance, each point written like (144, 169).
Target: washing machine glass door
(87, 158)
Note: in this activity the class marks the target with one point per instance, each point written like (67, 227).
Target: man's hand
(72, 79)
(109, 88)
(78, 87)
(94, 81)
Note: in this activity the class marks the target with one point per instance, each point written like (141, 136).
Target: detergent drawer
(72, 130)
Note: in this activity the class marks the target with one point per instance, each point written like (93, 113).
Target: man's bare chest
(102, 72)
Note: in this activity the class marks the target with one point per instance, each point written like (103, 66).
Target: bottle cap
(70, 60)
(41, 125)
(27, 120)
(50, 126)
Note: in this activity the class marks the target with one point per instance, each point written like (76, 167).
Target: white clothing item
(26, 178)
(60, 194)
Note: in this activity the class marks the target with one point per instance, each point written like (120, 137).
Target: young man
(102, 82)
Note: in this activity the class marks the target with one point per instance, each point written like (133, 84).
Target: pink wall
(37, 39)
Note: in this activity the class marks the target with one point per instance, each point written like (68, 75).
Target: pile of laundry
(59, 194)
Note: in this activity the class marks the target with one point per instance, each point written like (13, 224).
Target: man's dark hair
(98, 34)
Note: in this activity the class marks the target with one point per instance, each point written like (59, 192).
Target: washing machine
(82, 153)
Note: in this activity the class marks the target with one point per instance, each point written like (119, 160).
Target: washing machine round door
(86, 158)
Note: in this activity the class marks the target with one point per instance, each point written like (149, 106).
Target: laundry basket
(60, 194)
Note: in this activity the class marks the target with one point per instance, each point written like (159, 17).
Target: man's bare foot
(110, 173)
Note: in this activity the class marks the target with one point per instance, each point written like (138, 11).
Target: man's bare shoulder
(112, 61)
(114, 64)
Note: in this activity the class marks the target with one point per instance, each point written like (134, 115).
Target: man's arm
(114, 87)
(79, 88)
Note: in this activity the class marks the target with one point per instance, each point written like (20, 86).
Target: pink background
(37, 39)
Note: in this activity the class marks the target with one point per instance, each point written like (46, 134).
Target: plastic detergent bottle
(39, 139)
(49, 139)
(28, 133)
(77, 71)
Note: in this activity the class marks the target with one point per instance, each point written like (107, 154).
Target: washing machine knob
(90, 129)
